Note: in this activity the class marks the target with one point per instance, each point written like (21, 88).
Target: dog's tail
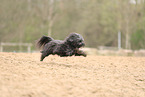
(42, 41)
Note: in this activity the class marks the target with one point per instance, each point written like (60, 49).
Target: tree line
(99, 21)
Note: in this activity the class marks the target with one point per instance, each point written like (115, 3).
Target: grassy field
(23, 75)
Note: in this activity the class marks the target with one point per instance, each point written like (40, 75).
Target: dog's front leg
(80, 53)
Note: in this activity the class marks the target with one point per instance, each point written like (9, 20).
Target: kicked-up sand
(23, 75)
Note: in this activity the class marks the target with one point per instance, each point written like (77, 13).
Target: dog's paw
(85, 55)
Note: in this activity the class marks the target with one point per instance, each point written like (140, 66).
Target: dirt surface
(23, 75)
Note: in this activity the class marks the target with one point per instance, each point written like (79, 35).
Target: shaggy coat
(70, 46)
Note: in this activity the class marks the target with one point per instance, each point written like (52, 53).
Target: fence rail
(108, 48)
(28, 45)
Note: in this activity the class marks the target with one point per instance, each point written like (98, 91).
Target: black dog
(70, 46)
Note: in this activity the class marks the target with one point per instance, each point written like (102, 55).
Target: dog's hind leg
(43, 55)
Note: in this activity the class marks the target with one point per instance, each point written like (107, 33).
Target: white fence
(28, 45)
(114, 51)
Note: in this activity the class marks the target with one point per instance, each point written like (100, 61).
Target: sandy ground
(23, 75)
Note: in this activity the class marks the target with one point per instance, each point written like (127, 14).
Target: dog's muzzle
(81, 44)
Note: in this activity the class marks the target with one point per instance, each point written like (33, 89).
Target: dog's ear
(70, 40)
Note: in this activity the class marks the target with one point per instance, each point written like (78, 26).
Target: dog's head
(75, 40)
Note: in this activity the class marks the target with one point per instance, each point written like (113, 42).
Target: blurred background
(104, 24)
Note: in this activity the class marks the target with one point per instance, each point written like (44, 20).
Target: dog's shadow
(61, 64)
(66, 65)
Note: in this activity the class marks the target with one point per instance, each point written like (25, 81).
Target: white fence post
(1, 48)
(119, 40)
(29, 48)
(28, 45)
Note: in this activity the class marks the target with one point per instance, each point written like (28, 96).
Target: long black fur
(70, 46)
(43, 40)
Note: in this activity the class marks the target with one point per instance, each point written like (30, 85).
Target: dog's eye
(80, 40)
